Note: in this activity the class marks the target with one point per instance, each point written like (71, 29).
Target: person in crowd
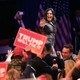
(17, 59)
(77, 57)
(12, 74)
(52, 60)
(67, 52)
(19, 52)
(48, 26)
(16, 52)
(39, 66)
(69, 64)
(74, 73)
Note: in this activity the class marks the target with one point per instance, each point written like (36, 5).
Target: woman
(48, 26)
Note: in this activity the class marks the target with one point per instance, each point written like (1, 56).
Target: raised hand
(9, 55)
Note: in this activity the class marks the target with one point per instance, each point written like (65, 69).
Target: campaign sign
(3, 69)
(29, 40)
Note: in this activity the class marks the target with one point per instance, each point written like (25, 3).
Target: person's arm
(41, 26)
(59, 54)
(69, 74)
(9, 55)
(42, 23)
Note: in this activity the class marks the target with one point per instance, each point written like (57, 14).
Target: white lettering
(35, 41)
(33, 45)
(21, 35)
(31, 41)
(40, 42)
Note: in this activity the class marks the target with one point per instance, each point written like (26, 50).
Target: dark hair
(70, 46)
(53, 12)
(44, 49)
(48, 46)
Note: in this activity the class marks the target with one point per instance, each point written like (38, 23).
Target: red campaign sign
(30, 40)
(3, 69)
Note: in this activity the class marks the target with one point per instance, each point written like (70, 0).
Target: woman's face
(49, 15)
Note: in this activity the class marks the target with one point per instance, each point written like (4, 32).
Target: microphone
(19, 15)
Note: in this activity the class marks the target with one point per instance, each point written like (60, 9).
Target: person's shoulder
(36, 59)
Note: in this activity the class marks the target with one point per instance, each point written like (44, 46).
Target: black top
(38, 67)
(50, 61)
(42, 67)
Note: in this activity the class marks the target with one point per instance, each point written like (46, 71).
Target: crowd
(64, 65)
(43, 66)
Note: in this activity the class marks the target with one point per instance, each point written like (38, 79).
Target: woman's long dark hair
(53, 12)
